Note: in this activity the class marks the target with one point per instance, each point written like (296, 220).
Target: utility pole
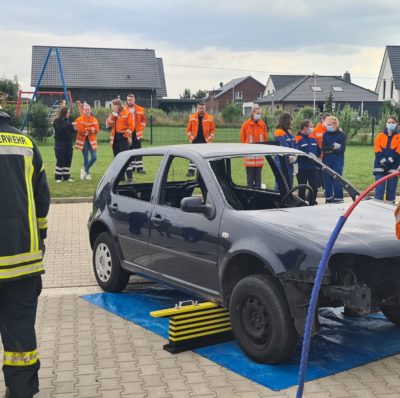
(315, 85)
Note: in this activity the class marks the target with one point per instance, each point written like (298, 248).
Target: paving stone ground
(88, 352)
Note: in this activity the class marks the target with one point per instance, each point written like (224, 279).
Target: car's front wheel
(261, 319)
(109, 274)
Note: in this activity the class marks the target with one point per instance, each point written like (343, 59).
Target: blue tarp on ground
(342, 343)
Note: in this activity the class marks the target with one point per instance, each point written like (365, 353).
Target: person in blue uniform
(333, 149)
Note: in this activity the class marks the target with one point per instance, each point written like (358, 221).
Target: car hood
(370, 229)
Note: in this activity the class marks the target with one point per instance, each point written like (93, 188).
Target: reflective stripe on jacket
(87, 127)
(139, 115)
(285, 138)
(124, 124)
(308, 144)
(253, 132)
(208, 127)
(25, 201)
(387, 153)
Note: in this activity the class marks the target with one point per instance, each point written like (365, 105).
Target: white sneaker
(88, 176)
(70, 180)
(83, 174)
(58, 181)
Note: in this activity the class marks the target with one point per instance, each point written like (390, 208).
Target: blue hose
(313, 304)
(320, 274)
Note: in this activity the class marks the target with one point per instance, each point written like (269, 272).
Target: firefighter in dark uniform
(24, 204)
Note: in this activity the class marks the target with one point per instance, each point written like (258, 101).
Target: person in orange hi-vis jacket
(122, 125)
(87, 127)
(320, 129)
(200, 130)
(254, 130)
(397, 215)
(139, 115)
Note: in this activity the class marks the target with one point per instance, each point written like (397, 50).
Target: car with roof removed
(253, 250)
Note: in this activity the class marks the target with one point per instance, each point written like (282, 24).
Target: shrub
(38, 121)
(232, 113)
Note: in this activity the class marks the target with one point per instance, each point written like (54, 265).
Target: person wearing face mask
(139, 115)
(387, 159)
(200, 130)
(122, 125)
(87, 127)
(253, 131)
(284, 136)
(308, 169)
(333, 148)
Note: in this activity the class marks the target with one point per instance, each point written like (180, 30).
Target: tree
(200, 94)
(186, 94)
(39, 122)
(328, 106)
(231, 113)
(10, 87)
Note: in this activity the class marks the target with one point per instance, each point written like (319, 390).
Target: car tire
(109, 274)
(391, 313)
(261, 319)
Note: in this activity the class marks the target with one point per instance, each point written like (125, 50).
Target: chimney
(221, 84)
(346, 77)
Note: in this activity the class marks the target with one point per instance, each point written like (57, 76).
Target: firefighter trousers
(137, 163)
(121, 144)
(18, 304)
(63, 150)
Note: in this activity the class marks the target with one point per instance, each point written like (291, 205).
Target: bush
(351, 122)
(38, 122)
(304, 113)
(10, 110)
(232, 113)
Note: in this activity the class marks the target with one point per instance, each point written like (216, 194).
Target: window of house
(391, 89)
(179, 183)
(141, 185)
(97, 104)
(384, 89)
(337, 88)
(259, 95)
(316, 89)
(238, 95)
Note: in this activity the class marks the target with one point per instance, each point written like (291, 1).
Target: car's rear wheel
(392, 313)
(109, 274)
(261, 320)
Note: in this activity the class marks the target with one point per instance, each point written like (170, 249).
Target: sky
(203, 43)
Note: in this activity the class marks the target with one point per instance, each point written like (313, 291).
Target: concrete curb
(72, 200)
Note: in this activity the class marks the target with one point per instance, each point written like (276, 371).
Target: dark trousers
(63, 150)
(18, 304)
(121, 144)
(137, 163)
(387, 190)
(310, 177)
(254, 176)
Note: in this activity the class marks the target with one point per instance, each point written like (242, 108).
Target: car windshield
(254, 182)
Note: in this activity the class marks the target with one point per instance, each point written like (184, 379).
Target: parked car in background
(252, 250)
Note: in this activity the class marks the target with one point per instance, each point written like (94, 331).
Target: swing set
(65, 92)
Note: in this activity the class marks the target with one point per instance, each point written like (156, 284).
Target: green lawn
(358, 167)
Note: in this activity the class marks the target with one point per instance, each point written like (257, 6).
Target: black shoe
(141, 171)
(130, 179)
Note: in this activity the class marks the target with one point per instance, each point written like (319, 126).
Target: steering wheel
(296, 188)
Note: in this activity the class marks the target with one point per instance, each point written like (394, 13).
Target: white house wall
(269, 88)
(386, 75)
